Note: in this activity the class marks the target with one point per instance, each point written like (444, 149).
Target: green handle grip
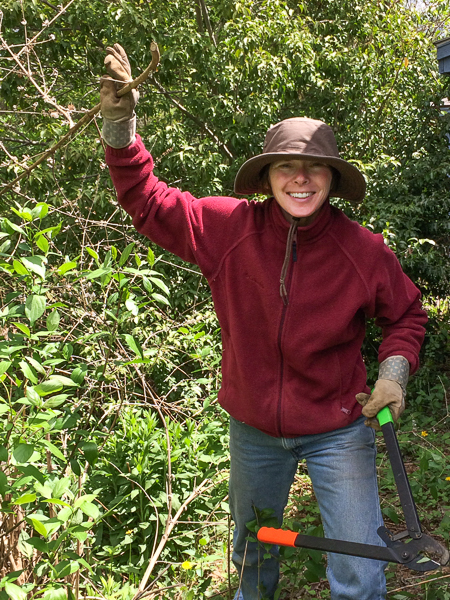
(384, 416)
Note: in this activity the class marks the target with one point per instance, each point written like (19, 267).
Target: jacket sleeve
(186, 226)
(397, 309)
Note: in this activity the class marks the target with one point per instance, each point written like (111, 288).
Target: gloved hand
(386, 393)
(114, 108)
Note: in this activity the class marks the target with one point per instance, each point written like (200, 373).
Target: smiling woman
(291, 361)
(300, 187)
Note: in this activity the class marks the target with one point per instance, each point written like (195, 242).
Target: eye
(284, 166)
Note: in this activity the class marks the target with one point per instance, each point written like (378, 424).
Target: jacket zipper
(280, 334)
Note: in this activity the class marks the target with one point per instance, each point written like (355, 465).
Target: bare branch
(204, 126)
(87, 118)
(208, 22)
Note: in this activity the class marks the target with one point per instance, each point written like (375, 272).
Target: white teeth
(301, 195)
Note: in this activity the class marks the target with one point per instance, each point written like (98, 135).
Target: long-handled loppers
(411, 547)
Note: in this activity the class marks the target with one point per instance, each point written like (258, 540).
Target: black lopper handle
(398, 468)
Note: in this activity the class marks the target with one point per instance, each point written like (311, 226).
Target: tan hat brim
(351, 186)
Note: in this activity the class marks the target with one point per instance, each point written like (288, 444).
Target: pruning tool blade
(411, 548)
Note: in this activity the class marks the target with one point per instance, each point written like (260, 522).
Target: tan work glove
(114, 108)
(386, 393)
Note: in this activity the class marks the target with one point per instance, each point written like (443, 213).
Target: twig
(418, 583)
(47, 25)
(87, 117)
(170, 525)
(29, 75)
(196, 120)
(208, 22)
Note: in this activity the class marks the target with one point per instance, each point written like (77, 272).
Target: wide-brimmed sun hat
(304, 139)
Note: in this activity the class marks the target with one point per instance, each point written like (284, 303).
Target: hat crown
(300, 135)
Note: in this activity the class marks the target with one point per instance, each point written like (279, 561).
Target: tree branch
(208, 22)
(223, 147)
(87, 118)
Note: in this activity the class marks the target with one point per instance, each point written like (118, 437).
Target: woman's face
(300, 187)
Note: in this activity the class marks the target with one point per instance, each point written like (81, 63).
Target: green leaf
(90, 451)
(125, 254)
(65, 381)
(25, 499)
(23, 452)
(60, 487)
(48, 387)
(85, 498)
(75, 556)
(25, 548)
(44, 490)
(23, 328)
(160, 298)
(59, 502)
(23, 214)
(42, 243)
(132, 307)
(53, 320)
(35, 264)
(4, 366)
(92, 252)
(151, 257)
(38, 526)
(65, 267)
(53, 449)
(107, 259)
(28, 371)
(66, 567)
(32, 471)
(90, 510)
(55, 594)
(134, 345)
(33, 396)
(14, 227)
(56, 401)
(37, 365)
(3, 454)
(4, 487)
(15, 592)
(98, 273)
(78, 374)
(19, 268)
(35, 307)
(160, 284)
(40, 210)
(65, 513)
(38, 543)
(75, 466)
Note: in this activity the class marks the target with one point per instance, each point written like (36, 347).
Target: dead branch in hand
(87, 117)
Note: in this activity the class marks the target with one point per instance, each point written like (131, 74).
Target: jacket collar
(305, 235)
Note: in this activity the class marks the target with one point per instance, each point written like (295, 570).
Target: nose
(301, 176)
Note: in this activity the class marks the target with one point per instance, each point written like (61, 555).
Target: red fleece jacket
(287, 370)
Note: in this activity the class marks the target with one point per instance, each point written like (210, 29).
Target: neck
(302, 221)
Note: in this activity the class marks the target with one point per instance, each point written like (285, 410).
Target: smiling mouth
(301, 195)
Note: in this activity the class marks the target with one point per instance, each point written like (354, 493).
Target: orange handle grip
(281, 537)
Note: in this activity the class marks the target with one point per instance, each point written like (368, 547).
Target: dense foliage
(112, 447)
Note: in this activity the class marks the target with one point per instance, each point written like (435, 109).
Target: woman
(293, 281)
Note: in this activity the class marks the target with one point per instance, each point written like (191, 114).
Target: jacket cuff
(395, 368)
(119, 134)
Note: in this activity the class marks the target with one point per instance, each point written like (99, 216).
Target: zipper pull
(294, 251)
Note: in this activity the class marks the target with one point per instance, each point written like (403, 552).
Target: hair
(266, 188)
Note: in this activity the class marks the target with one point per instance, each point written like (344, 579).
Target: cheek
(326, 182)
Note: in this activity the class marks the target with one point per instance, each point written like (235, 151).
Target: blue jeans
(341, 465)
